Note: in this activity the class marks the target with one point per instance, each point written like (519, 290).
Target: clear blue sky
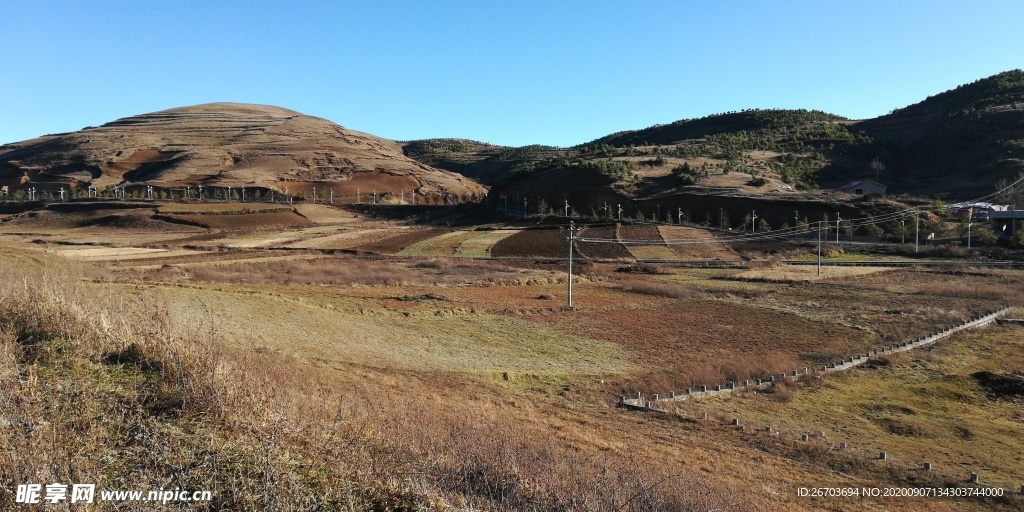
(514, 73)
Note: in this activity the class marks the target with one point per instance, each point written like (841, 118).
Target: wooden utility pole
(917, 229)
(819, 247)
(572, 238)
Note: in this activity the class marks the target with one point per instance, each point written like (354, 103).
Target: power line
(900, 215)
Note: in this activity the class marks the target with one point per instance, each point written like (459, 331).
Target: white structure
(863, 188)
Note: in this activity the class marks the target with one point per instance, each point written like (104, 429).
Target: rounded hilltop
(226, 145)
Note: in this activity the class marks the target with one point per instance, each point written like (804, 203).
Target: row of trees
(255, 195)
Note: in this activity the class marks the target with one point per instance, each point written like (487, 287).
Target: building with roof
(863, 188)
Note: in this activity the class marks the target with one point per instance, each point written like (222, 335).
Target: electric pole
(970, 213)
(572, 238)
(917, 229)
(819, 247)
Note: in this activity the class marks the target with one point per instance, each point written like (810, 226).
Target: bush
(1018, 239)
(985, 236)
(656, 162)
(618, 170)
(686, 174)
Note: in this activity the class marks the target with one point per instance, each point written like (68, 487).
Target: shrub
(618, 170)
(686, 174)
(1018, 239)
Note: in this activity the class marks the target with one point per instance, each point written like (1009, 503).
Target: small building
(1005, 219)
(863, 188)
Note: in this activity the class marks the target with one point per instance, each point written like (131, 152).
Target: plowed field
(700, 244)
(602, 250)
(396, 244)
(547, 243)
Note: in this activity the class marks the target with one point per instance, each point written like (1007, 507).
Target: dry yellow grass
(445, 393)
(274, 431)
(444, 339)
(652, 252)
(324, 214)
(480, 245)
(344, 239)
(441, 245)
(785, 273)
(119, 253)
(919, 406)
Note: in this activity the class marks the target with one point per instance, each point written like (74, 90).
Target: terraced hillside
(220, 145)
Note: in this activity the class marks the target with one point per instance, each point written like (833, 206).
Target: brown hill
(227, 145)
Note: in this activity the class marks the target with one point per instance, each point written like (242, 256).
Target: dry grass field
(285, 375)
(953, 405)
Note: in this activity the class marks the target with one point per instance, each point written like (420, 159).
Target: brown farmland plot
(602, 250)
(645, 252)
(701, 244)
(395, 244)
(237, 221)
(547, 243)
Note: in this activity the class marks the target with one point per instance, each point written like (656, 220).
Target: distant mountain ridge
(957, 143)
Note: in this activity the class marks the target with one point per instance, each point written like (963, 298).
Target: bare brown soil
(549, 243)
(280, 219)
(699, 243)
(683, 343)
(395, 244)
(602, 250)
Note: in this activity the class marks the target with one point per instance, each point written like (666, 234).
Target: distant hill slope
(732, 122)
(226, 145)
(961, 141)
(957, 144)
(487, 163)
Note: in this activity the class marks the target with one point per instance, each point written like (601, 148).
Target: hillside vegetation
(958, 144)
